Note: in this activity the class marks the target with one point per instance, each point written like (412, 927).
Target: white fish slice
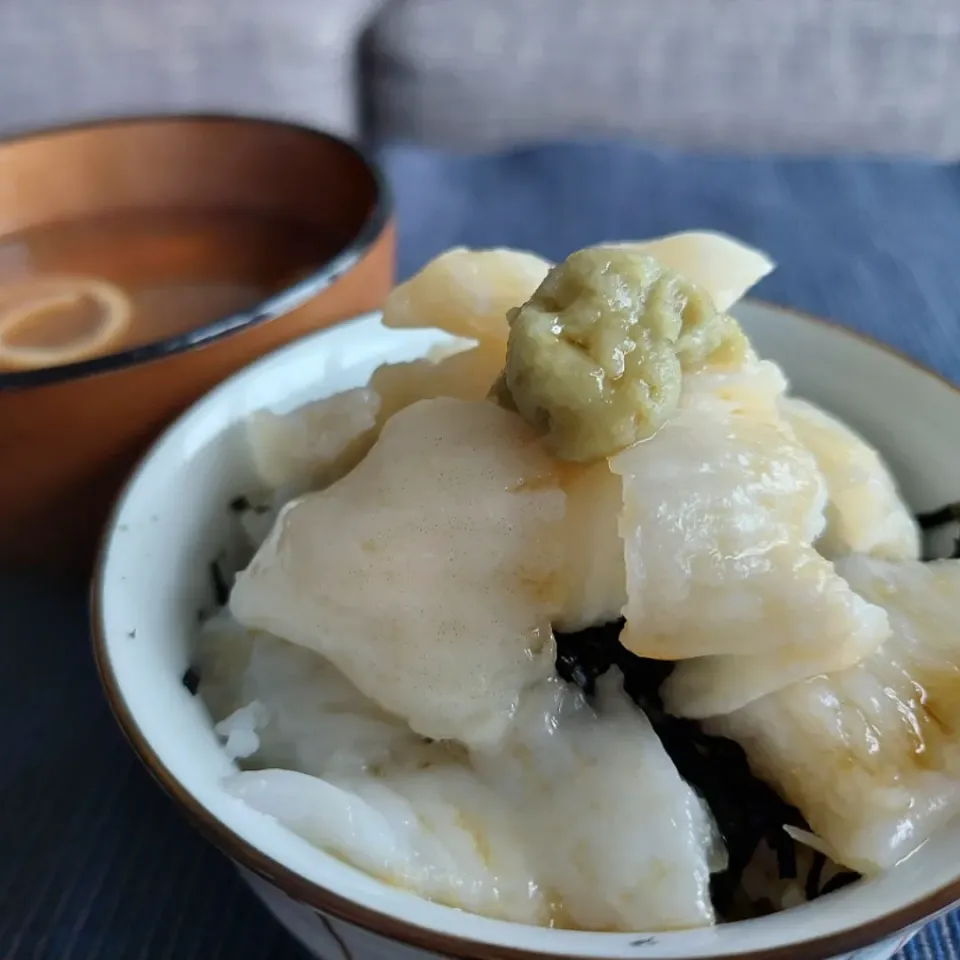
(611, 829)
(430, 574)
(871, 755)
(467, 292)
(864, 513)
(724, 267)
(721, 508)
(438, 832)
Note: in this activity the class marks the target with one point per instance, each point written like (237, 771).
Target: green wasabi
(595, 358)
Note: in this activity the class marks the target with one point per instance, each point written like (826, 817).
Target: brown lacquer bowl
(69, 434)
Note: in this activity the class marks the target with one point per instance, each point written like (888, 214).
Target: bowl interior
(196, 162)
(173, 519)
(262, 204)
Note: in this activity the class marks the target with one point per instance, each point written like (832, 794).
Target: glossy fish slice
(430, 574)
(721, 509)
(864, 513)
(871, 755)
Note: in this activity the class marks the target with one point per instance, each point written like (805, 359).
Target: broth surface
(73, 290)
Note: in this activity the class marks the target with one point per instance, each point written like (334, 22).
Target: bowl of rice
(377, 613)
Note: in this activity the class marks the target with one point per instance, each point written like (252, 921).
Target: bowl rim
(279, 303)
(327, 901)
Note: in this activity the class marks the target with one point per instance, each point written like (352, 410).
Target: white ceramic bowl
(172, 520)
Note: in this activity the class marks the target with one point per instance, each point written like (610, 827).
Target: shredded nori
(191, 680)
(746, 810)
(221, 592)
(941, 517)
(838, 881)
(812, 888)
(242, 504)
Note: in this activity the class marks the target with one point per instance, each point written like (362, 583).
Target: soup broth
(74, 290)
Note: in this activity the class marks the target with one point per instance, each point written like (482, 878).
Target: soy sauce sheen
(181, 269)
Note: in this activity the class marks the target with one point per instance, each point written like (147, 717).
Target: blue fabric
(94, 861)
(870, 244)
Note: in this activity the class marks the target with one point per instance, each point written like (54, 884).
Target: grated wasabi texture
(595, 358)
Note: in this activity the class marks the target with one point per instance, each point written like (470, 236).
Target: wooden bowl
(70, 434)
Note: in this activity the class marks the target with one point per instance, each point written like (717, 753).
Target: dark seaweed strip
(764, 907)
(746, 810)
(191, 680)
(812, 887)
(221, 592)
(584, 656)
(243, 505)
(940, 517)
(839, 881)
(786, 855)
